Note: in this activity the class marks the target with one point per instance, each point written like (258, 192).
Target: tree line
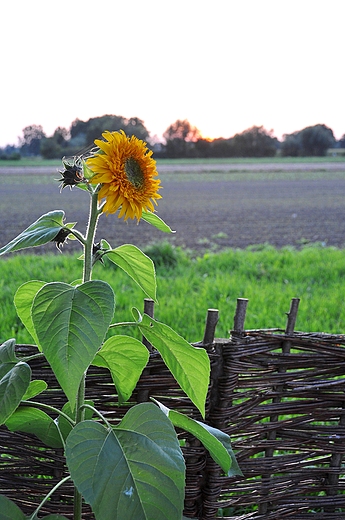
(181, 140)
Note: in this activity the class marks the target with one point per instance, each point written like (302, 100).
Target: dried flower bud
(97, 253)
(72, 173)
(61, 237)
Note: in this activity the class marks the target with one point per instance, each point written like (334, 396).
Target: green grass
(188, 286)
(31, 161)
(39, 161)
(253, 160)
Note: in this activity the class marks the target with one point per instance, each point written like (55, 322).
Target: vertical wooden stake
(240, 316)
(274, 418)
(210, 327)
(292, 316)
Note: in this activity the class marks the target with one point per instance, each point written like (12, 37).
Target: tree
(255, 142)
(9, 153)
(316, 140)
(61, 136)
(85, 132)
(203, 148)
(56, 146)
(341, 142)
(77, 128)
(31, 140)
(182, 130)
(310, 141)
(291, 145)
(136, 126)
(180, 138)
(221, 147)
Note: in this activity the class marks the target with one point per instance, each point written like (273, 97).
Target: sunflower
(125, 169)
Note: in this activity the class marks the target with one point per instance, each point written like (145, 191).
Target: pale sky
(225, 65)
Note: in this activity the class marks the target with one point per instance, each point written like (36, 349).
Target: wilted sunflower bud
(72, 173)
(61, 237)
(97, 253)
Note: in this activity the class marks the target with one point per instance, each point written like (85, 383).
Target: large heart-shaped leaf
(137, 265)
(189, 365)
(70, 323)
(126, 358)
(44, 230)
(215, 441)
(23, 301)
(14, 381)
(32, 420)
(132, 472)
(10, 510)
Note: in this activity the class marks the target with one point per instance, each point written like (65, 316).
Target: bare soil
(215, 209)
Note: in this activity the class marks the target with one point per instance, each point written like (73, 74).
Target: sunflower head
(126, 171)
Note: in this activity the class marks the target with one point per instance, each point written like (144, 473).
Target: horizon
(162, 140)
(224, 67)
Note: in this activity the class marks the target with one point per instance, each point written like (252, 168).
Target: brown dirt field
(216, 209)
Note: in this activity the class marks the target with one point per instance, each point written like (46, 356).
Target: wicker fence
(280, 395)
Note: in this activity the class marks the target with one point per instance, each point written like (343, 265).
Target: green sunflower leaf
(71, 323)
(7, 352)
(14, 382)
(44, 230)
(137, 265)
(189, 365)
(10, 510)
(126, 358)
(215, 441)
(32, 420)
(134, 471)
(36, 387)
(88, 173)
(156, 221)
(23, 302)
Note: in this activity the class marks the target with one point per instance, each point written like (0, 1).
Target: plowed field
(210, 205)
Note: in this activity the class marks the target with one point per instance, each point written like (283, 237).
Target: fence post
(292, 316)
(272, 434)
(210, 327)
(332, 479)
(211, 471)
(240, 316)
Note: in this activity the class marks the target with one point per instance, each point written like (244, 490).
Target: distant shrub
(14, 156)
(164, 254)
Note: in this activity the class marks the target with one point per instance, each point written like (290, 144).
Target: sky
(225, 65)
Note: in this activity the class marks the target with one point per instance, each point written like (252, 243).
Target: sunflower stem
(34, 514)
(87, 274)
(90, 235)
(79, 417)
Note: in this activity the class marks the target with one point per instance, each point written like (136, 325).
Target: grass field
(213, 206)
(188, 286)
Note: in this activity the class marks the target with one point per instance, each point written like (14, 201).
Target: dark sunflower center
(134, 173)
